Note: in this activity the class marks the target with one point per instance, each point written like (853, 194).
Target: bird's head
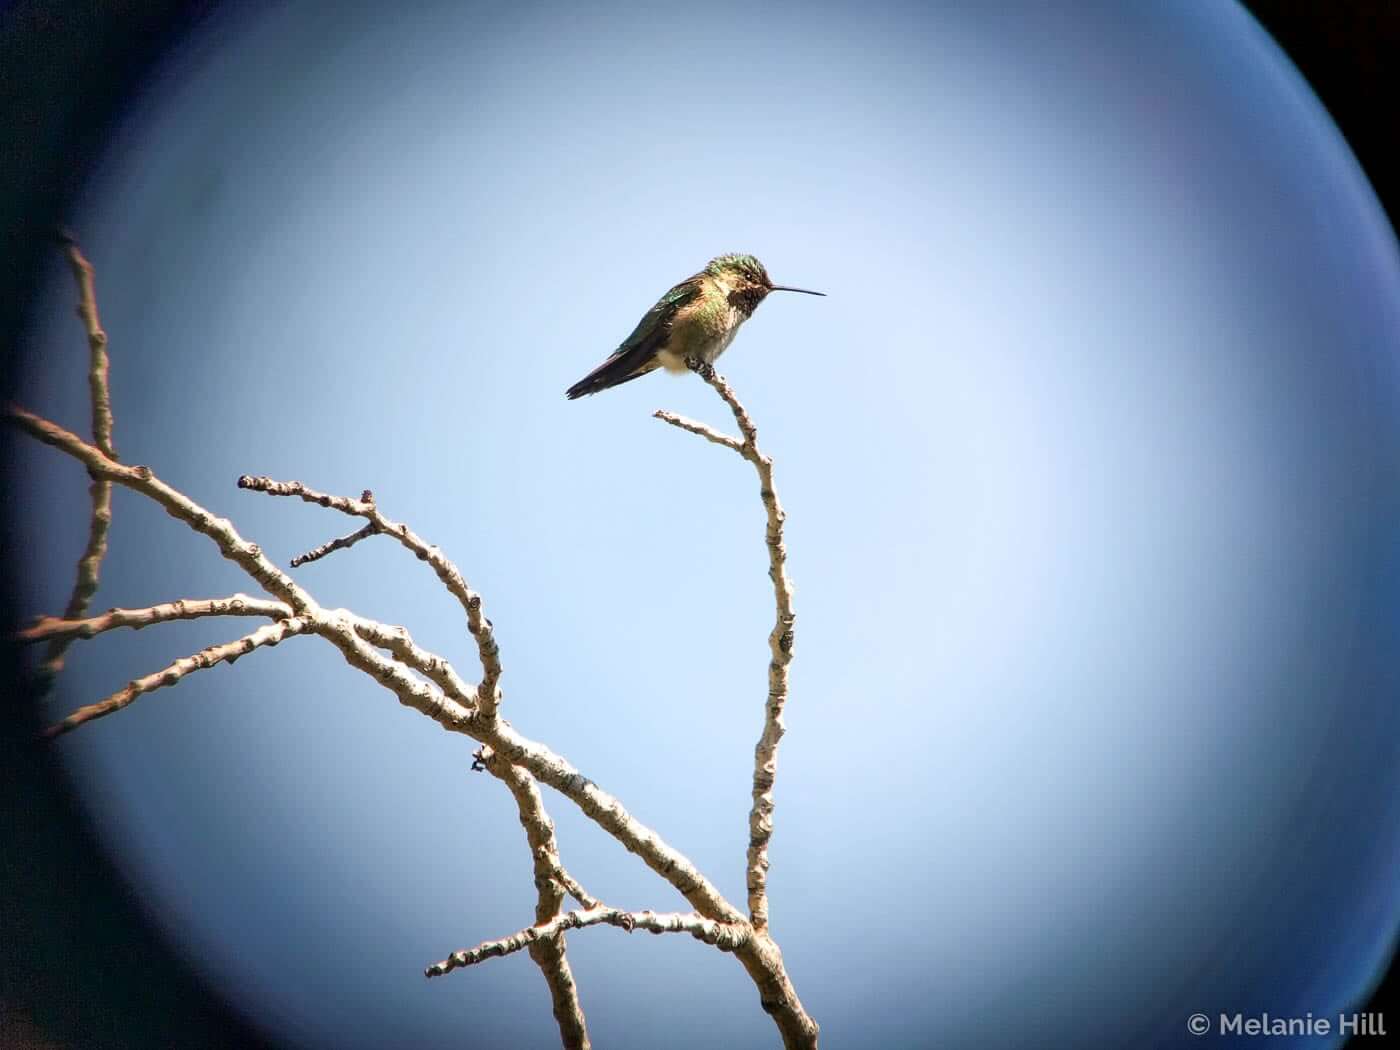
(747, 281)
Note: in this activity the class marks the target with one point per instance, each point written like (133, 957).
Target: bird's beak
(785, 288)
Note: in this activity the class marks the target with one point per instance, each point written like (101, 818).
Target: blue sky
(1089, 459)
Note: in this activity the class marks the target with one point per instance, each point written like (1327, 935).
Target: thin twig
(340, 543)
(99, 366)
(707, 432)
(727, 937)
(489, 653)
(228, 652)
(100, 491)
(780, 639)
(84, 587)
(184, 609)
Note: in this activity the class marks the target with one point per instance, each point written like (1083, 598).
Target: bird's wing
(652, 329)
(636, 355)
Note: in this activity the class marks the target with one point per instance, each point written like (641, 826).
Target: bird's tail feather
(616, 370)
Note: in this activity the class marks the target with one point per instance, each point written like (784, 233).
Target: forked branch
(552, 881)
(480, 627)
(270, 634)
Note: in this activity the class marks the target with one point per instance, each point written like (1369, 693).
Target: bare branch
(85, 586)
(780, 639)
(444, 705)
(575, 888)
(705, 431)
(725, 936)
(758, 954)
(488, 651)
(340, 543)
(391, 638)
(741, 415)
(100, 522)
(356, 508)
(551, 883)
(397, 640)
(539, 830)
(183, 609)
(608, 813)
(446, 710)
(247, 556)
(98, 368)
(270, 634)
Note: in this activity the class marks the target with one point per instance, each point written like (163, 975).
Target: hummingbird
(695, 320)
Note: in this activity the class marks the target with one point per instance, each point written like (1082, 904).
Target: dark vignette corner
(81, 964)
(1348, 54)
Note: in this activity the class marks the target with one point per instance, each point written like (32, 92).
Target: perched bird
(695, 319)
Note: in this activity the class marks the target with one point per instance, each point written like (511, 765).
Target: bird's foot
(703, 369)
